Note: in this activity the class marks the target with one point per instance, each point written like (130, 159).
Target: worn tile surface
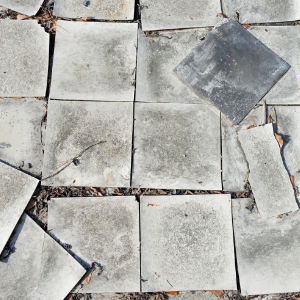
(20, 137)
(177, 146)
(94, 61)
(102, 230)
(26, 7)
(187, 243)
(157, 57)
(16, 190)
(267, 250)
(231, 69)
(76, 128)
(268, 177)
(157, 15)
(24, 51)
(106, 10)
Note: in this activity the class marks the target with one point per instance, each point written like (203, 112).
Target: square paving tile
(168, 14)
(158, 55)
(16, 190)
(267, 250)
(26, 7)
(21, 139)
(231, 69)
(24, 52)
(75, 153)
(268, 177)
(106, 10)
(187, 243)
(103, 230)
(177, 146)
(94, 61)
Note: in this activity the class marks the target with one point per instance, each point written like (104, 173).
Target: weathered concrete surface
(177, 146)
(168, 14)
(94, 61)
(231, 69)
(16, 190)
(157, 57)
(268, 177)
(267, 250)
(187, 243)
(106, 10)
(20, 139)
(24, 52)
(262, 11)
(102, 230)
(281, 39)
(75, 128)
(26, 7)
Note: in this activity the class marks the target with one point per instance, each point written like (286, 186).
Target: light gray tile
(26, 7)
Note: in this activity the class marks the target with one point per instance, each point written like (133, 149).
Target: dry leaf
(46, 16)
(251, 126)
(70, 297)
(292, 178)
(246, 26)
(30, 205)
(270, 120)
(84, 18)
(53, 26)
(21, 17)
(150, 204)
(200, 182)
(221, 15)
(219, 293)
(279, 140)
(146, 33)
(191, 18)
(172, 293)
(74, 181)
(150, 41)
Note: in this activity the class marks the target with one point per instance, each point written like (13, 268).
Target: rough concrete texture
(262, 11)
(105, 231)
(177, 146)
(105, 10)
(26, 7)
(24, 51)
(21, 139)
(231, 69)
(94, 61)
(170, 14)
(268, 177)
(266, 250)
(75, 130)
(158, 55)
(187, 243)
(281, 39)
(16, 190)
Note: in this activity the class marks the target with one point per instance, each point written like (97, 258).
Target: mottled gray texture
(26, 7)
(20, 137)
(102, 230)
(95, 9)
(16, 190)
(157, 57)
(94, 61)
(177, 146)
(169, 14)
(187, 243)
(262, 11)
(231, 69)
(75, 126)
(24, 51)
(268, 177)
(267, 250)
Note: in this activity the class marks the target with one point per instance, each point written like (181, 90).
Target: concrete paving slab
(232, 73)
(21, 139)
(267, 250)
(268, 177)
(102, 230)
(24, 52)
(105, 10)
(187, 243)
(94, 61)
(16, 190)
(262, 11)
(158, 55)
(26, 7)
(75, 129)
(159, 15)
(177, 146)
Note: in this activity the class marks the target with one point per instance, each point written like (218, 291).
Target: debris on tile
(177, 146)
(187, 243)
(231, 69)
(94, 61)
(26, 7)
(269, 180)
(105, 231)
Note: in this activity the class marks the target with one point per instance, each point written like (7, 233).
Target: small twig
(169, 283)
